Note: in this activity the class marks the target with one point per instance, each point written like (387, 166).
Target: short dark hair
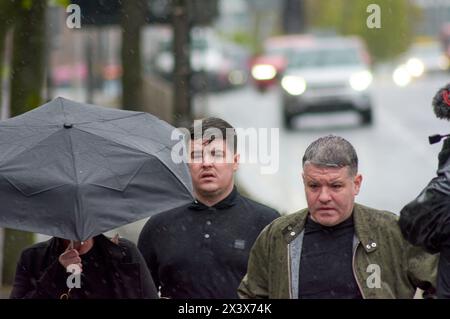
(209, 126)
(332, 151)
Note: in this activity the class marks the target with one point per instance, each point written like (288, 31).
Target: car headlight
(294, 85)
(361, 80)
(401, 76)
(415, 67)
(264, 72)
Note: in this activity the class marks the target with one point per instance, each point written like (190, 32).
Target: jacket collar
(363, 222)
(227, 202)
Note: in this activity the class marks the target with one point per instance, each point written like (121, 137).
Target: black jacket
(196, 251)
(39, 275)
(426, 220)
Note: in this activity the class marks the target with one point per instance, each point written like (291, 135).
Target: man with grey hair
(335, 248)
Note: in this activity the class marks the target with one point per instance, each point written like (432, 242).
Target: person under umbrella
(74, 171)
(107, 269)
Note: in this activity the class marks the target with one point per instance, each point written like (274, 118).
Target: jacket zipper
(354, 273)
(289, 271)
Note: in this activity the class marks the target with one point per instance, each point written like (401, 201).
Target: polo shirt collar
(227, 202)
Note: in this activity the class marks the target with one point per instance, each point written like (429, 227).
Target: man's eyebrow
(208, 141)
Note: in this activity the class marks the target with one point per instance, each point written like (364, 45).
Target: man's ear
(236, 158)
(357, 181)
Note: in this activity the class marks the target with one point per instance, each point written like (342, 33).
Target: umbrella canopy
(74, 170)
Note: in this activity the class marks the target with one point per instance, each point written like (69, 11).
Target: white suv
(327, 75)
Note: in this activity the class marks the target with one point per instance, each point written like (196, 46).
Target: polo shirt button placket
(207, 226)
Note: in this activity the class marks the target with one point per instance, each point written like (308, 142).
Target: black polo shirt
(326, 270)
(196, 251)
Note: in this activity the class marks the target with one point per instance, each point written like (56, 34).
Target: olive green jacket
(385, 265)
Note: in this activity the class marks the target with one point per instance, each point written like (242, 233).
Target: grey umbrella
(74, 170)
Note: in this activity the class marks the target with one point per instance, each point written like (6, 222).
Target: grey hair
(332, 151)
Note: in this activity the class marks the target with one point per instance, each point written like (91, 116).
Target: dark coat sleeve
(426, 220)
(148, 250)
(28, 284)
(255, 284)
(148, 287)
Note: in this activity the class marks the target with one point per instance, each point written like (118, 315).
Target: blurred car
(266, 68)
(216, 64)
(420, 59)
(327, 75)
(64, 75)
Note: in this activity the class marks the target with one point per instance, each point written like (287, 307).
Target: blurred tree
(28, 66)
(391, 39)
(6, 8)
(26, 83)
(294, 16)
(184, 15)
(132, 19)
(182, 71)
(264, 22)
(325, 14)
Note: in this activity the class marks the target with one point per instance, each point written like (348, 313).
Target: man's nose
(207, 160)
(324, 195)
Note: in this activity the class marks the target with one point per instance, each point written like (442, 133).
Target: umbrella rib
(78, 202)
(123, 130)
(130, 132)
(105, 157)
(33, 145)
(29, 117)
(76, 123)
(118, 142)
(115, 119)
(29, 126)
(158, 151)
(168, 168)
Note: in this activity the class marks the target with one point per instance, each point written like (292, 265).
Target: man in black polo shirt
(201, 250)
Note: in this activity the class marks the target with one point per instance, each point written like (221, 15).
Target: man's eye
(313, 186)
(196, 155)
(337, 186)
(217, 154)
